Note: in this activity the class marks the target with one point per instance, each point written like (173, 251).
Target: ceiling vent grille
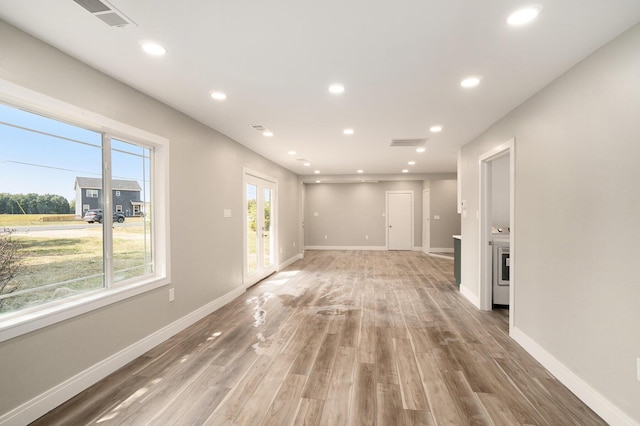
(105, 12)
(408, 142)
(258, 127)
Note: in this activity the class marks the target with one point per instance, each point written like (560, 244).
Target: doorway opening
(260, 227)
(490, 227)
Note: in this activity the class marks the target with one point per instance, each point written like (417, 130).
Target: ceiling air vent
(408, 142)
(105, 12)
(258, 127)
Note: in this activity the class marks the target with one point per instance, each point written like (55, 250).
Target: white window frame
(25, 321)
(117, 193)
(92, 193)
(118, 208)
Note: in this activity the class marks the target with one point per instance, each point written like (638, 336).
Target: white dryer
(501, 266)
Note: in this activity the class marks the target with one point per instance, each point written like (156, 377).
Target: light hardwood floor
(340, 337)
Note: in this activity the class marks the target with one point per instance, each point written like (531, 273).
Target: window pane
(252, 229)
(52, 252)
(131, 190)
(266, 222)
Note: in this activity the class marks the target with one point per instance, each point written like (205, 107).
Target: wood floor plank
(363, 407)
(389, 409)
(337, 404)
(413, 394)
(339, 337)
(309, 412)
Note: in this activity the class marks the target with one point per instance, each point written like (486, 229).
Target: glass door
(259, 229)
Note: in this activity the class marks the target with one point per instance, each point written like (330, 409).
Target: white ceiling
(401, 63)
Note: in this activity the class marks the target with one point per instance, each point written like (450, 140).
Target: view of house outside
(51, 174)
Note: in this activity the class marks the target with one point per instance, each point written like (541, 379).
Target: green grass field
(66, 262)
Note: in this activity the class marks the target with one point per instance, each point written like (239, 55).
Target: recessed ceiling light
(307, 164)
(411, 163)
(218, 96)
(523, 16)
(336, 88)
(267, 133)
(405, 171)
(348, 131)
(470, 82)
(153, 49)
(317, 181)
(436, 129)
(291, 153)
(360, 171)
(421, 149)
(316, 172)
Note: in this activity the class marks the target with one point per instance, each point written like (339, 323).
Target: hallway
(340, 337)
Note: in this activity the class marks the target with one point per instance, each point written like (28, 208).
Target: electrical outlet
(325, 237)
(172, 295)
(366, 237)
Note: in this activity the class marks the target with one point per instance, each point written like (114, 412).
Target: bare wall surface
(206, 178)
(444, 205)
(349, 212)
(576, 219)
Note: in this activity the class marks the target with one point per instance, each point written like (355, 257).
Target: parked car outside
(95, 215)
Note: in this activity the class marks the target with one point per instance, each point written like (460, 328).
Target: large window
(54, 250)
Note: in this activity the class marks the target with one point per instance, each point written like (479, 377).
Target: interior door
(259, 229)
(400, 220)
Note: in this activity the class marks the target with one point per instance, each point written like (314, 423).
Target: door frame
(485, 266)
(386, 199)
(426, 220)
(247, 175)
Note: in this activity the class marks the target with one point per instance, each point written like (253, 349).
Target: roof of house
(116, 184)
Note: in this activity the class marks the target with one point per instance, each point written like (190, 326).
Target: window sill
(25, 322)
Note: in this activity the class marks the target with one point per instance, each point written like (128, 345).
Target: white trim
(45, 402)
(484, 265)
(441, 250)
(612, 414)
(372, 248)
(468, 294)
(21, 322)
(253, 176)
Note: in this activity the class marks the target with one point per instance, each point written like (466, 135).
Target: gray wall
(206, 254)
(347, 212)
(500, 191)
(577, 146)
(444, 204)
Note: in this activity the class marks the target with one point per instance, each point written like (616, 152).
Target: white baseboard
(468, 294)
(345, 248)
(47, 401)
(441, 250)
(288, 262)
(596, 401)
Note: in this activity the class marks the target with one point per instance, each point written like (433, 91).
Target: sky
(48, 158)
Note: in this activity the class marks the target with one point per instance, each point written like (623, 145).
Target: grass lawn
(66, 262)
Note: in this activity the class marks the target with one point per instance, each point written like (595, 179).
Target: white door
(260, 230)
(399, 220)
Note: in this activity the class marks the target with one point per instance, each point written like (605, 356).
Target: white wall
(577, 145)
(443, 204)
(206, 177)
(347, 212)
(500, 191)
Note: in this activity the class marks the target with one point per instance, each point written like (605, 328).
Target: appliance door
(501, 263)
(503, 266)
